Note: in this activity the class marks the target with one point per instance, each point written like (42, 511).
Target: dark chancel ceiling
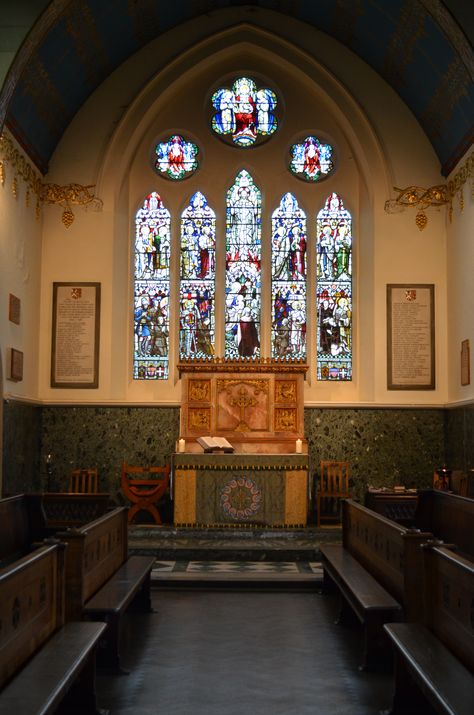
(417, 46)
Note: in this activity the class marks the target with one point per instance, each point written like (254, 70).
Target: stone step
(217, 544)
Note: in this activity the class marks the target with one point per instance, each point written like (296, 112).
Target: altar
(258, 407)
(238, 489)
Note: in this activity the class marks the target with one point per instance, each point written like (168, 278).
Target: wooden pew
(434, 659)
(103, 580)
(22, 523)
(64, 510)
(449, 517)
(43, 664)
(376, 570)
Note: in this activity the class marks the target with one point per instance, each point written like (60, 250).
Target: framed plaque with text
(75, 338)
(410, 337)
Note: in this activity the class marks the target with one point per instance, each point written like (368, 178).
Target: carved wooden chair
(84, 481)
(144, 487)
(333, 485)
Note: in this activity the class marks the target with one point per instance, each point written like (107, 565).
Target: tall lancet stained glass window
(198, 264)
(288, 280)
(334, 291)
(243, 264)
(151, 290)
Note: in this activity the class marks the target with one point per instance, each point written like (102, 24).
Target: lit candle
(299, 446)
(181, 445)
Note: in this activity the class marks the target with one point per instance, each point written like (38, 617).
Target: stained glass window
(311, 160)
(334, 291)
(244, 112)
(198, 263)
(151, 290)
(288, 280)
(176, 158)
(243, 262)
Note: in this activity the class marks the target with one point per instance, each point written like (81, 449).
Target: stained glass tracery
(244, 112)
(289, 280)
(334, 291)
(311, 160)
(176, 158)
(198, 253)
(243, 264)
(151, 290)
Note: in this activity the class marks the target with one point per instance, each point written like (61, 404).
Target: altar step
(251, 545)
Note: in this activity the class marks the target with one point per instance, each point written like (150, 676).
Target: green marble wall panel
(383, 446)
(104, 437)
(460, 438)
(21, 447)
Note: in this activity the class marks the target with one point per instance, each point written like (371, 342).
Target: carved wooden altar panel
(257, 405)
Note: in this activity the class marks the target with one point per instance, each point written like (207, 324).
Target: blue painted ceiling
(417, 46)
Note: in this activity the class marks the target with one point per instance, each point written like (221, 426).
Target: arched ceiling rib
(416, 45)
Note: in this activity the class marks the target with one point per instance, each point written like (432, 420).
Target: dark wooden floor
(239, 651)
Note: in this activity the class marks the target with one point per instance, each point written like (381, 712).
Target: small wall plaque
(465, 363)
(16, 365)
(14, 309)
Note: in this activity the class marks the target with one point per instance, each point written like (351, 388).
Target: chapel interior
(250, 222)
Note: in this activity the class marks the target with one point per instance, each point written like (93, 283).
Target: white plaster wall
(460, 279)
(325, 89)
(20, 274)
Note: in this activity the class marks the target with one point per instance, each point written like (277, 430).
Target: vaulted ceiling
(418, 46)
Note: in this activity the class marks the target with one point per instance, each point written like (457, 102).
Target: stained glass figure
(198, 251)
(244, 112)
(243, 263)
(288, 280)
(334, 291)
(176, 158)
(311, 160)
(151, 290)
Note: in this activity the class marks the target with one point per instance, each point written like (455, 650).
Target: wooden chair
(143, 489)
(333, 486)
(84, 481)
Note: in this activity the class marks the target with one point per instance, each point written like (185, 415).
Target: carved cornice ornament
(65, 196)
(436, 196)
(245, 365)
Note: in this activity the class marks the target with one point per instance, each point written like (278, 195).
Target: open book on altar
(215, 444)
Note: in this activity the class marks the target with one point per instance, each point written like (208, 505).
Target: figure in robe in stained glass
(243, 112)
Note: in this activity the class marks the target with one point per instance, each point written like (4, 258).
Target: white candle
(181, 445)
(299, 446)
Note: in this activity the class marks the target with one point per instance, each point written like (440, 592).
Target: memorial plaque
(410, 337)
(465, 363)
(14, 309)
(75, 340)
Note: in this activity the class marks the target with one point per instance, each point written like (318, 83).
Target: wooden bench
(64, 510)
(449, 517)
(371, 603)
(22, 524)
(45, 667)
(376, 571)
(434, 660)
(103, 580)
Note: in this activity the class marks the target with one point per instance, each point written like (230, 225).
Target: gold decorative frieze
(436, 196)
(199, 391)
(285, 391)
(419, 198)
(64, 196)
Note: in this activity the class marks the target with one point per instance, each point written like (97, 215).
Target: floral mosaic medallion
(241, 499)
